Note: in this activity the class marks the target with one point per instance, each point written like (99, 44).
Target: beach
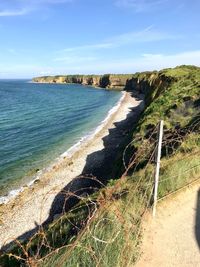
(31, 208)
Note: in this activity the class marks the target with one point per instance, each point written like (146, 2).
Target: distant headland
(109, 81)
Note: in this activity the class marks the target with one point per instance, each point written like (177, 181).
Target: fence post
(157, 167)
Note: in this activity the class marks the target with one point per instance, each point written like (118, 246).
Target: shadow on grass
(98, 164)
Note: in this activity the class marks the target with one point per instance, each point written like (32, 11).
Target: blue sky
(46, 37)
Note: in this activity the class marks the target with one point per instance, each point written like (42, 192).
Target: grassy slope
(111, 235)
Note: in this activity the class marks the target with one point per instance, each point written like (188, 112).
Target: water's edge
(69, 153)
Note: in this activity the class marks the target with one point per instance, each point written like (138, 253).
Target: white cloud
(140, 5)
(74, 59)
(44, 2)
(131, 65)
(23, 7)
(88, 47)
(147, 62)
(11, 13)
(127, 65)
(162, 61)
(149, 34)
(24, 70)
(45, 72)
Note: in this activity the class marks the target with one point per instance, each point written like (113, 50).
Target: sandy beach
(32, 207)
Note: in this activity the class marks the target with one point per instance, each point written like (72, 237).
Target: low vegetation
(104, 229)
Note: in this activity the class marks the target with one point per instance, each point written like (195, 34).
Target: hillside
(104, 229)
(109, 81)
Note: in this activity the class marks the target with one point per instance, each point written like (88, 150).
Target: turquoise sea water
(39, 122)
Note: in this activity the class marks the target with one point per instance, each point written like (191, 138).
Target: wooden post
(157, 167)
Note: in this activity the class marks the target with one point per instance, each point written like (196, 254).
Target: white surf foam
(69, 153)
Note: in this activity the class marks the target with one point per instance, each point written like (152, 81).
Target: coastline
(12, 194)
(86, 85)
(34, 202)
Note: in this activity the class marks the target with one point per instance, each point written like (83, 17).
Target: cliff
(113, 215)
(110, 81)
(144, 82)
(151, 84)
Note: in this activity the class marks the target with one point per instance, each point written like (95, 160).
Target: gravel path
(173, 237)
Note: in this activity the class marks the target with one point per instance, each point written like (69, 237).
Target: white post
(157, 167)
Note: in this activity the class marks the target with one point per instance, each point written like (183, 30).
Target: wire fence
(104, 218)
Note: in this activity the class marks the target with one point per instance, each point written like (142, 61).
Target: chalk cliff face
(139, 81)
(151, 84)
(113, 81)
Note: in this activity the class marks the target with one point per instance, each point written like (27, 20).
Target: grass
(105, 228)
(113, 237)
(110, 236)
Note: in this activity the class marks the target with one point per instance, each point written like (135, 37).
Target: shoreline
(112, 88)
(13, 193)
(32, 206)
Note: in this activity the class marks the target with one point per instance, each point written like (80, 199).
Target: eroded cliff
(110, 81)
(151, 84)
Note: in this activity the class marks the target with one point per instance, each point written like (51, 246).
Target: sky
(52, 37)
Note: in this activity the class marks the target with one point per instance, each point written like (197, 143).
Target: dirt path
(173, 237)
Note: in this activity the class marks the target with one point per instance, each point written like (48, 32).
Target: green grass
(111, 236)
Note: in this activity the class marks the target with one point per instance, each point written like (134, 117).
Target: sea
(41, 122)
